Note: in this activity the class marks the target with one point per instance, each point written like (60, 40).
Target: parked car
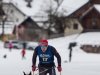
(6, 44)
(15, 44)
(19, 44)
(31, 45)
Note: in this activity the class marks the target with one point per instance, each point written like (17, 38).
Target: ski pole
(41, 72)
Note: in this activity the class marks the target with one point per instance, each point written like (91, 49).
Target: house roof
(15, 7)
(22, 6)
(95, 6)
(69, 5)
(72, 6)
(28, 18)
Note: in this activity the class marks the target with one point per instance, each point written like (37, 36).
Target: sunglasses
(43, 46)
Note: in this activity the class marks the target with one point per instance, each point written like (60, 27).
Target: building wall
(13, 14)
(32, 34)
(84, 8)
(87, 19)
(70, 31)
(86, 22)
(1, 18)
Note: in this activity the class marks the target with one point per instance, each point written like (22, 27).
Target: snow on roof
(39, 19)
(71, 5)
(37, 7)
(22, 5)
(96, 6)
(87, 12)
(68, 5)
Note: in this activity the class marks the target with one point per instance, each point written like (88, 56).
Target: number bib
(45, 57)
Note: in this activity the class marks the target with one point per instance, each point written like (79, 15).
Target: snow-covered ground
(82, 63)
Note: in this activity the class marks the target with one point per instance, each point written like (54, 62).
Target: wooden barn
(29, 30)
(84, 19)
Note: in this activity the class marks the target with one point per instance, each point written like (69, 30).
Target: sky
(82, 63)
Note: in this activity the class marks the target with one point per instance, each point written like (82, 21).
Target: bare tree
(56, 20)
(5, 17)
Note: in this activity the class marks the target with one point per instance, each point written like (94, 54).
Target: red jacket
(23, 52)
(10, 45)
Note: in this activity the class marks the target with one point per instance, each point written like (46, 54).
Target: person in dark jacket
(46, 55)
(24, 45)
(71, 45)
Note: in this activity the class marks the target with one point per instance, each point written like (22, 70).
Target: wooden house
(29, 30)
(84, 19)
(22, 22)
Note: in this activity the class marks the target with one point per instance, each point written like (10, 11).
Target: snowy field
(82, 63)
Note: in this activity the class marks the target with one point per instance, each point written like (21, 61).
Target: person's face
(43, 48)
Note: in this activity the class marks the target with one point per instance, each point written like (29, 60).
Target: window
(17, 20)
(14, 42)
(75, 26)
(0, 23)
(94, 23)
(12, 11)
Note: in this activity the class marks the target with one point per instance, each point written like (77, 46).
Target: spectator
(71, 45)
(10, 46)
(24, 45)
(23, 54)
